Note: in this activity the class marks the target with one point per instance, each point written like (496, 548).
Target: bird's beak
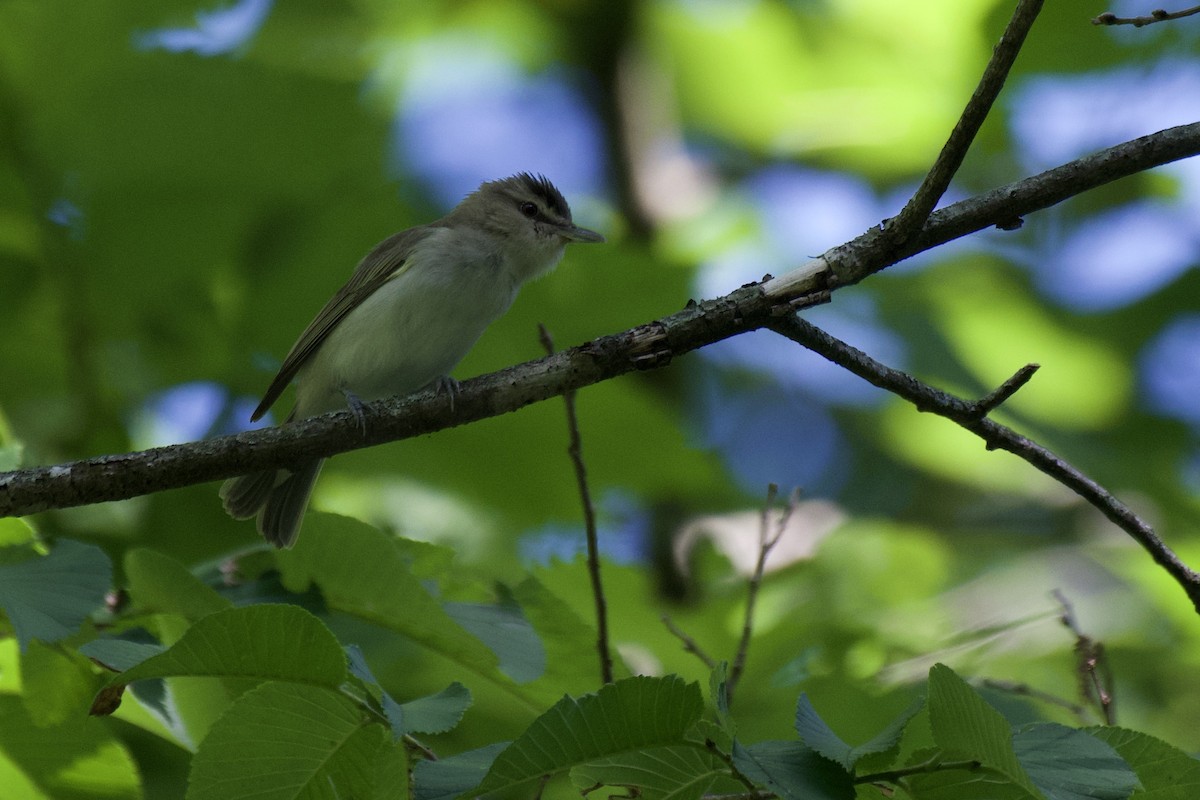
(574, 233)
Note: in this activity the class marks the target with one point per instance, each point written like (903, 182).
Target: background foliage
(182, 188)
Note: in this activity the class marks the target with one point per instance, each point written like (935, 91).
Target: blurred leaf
(362, 572)
(286, 740)
(504, 629)
(48, 597)
(159, 583)
(58, 684)
(77, 759)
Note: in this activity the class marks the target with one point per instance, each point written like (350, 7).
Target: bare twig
(1025, 690)
(996, 436)
(916, 211)
(1091, 665)
(1157, 15)
(575, 450)
(992, 400)
(689, 644)
(766, 542)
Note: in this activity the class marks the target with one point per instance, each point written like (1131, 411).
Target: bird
(411, 310)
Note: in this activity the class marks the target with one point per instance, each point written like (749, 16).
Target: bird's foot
(357, 408)
(447, 385)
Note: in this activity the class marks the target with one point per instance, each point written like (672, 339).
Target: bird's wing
(387, 260)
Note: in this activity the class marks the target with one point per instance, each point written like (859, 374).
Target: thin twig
(1157, 15)
(689, 644)
(1091, 665)
(992, 400)
(575, 450)
(932, 765)
(917, 210)
(996, 436)
(766, 542)
(1025, 690)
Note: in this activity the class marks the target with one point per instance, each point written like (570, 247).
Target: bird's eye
(529, 209)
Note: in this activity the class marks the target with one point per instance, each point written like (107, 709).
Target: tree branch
(1158, 15)
(996, 436)
(649, 346)
(916, 211)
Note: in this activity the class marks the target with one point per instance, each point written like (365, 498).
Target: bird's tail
(277, 497)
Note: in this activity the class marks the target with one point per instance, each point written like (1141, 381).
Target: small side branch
(996, 436)
(575, 450)
(766, 542)
(914, 214)
(1091, 665)
(1157, 15)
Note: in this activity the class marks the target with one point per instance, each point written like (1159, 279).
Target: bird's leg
(446, 384)
(357, 409)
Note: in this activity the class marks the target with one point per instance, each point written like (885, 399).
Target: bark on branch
(649, 346)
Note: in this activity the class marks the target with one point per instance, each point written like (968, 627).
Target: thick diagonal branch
(655, 344)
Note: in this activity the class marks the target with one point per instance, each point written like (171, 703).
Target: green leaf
(1068, 764)
(718, 687)
(160, 584)
(820, 737)
(963, 723)
(120, 654)
(58, 685)
(504, 629)
(631, 714)
(569, 643)
(281, 741)
(266, 642)
(673, 772)
(1166, 773)
(364, 573)
(435, 713)
(75, 760)
(48, 597)
(447, 778)
(793, 771)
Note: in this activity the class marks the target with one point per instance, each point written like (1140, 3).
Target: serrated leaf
(364, 573)
(48, 597)
(569, 642)
(1166, 772)
(435, 713)
(963, 723)
(447, 778)
(674, 772)
(266, 642)
(793, 771)
(281, 741)
(504, 629)
(120, 654)
(630, 714)
(160, 584)
(815, 733)
(1068, 764)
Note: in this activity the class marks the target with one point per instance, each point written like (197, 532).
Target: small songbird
(412, 309)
